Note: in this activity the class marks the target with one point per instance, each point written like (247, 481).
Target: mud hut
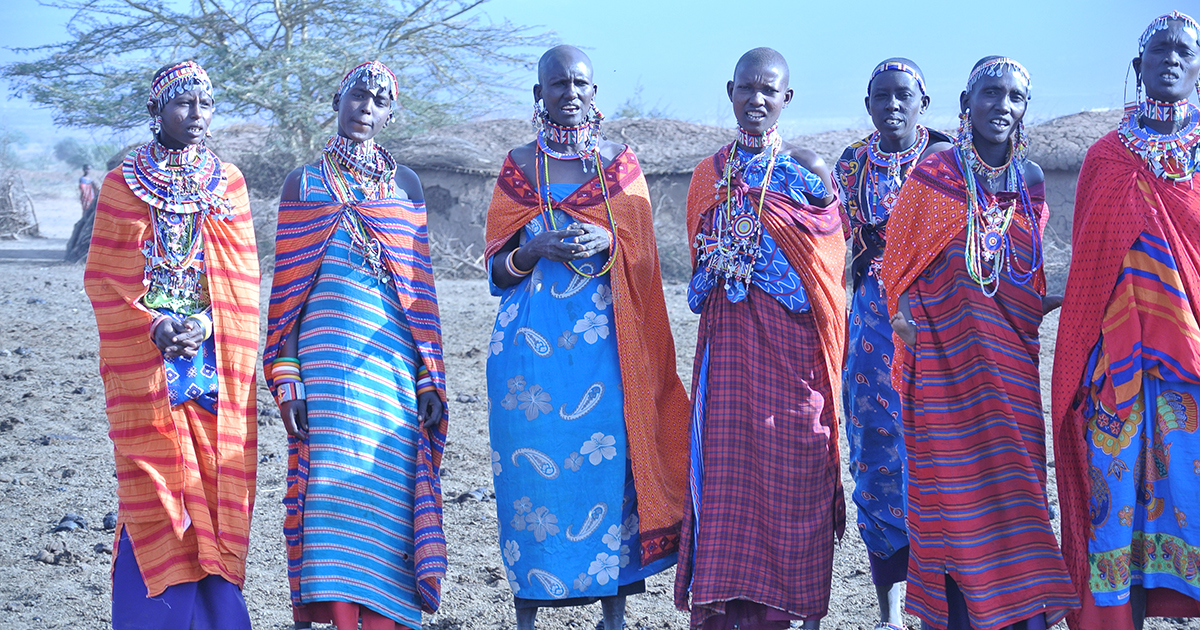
(1058, 146)
(458, 166)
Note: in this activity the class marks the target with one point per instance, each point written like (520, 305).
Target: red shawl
(1117, 199)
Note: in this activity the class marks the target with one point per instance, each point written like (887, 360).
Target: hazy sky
(682, 53)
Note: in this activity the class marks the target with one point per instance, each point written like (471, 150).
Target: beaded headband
(1161, 22)
(375, 74)
(996, 68)
(902, 67)
(178, 79)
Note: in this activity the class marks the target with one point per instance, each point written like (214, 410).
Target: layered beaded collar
(372, 167)
(182, 181)
(1168, 156)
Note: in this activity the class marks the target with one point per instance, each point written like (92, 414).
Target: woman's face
(567, 91)
(1170, 65)
(185, 119)
(362, 113)
(996, 105)
(895, 103)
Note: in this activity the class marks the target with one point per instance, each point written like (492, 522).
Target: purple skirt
(213, 603)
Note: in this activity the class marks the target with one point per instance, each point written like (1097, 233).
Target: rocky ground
(55, 459)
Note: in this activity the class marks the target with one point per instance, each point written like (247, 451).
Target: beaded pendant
(731, 249)
(885, 193)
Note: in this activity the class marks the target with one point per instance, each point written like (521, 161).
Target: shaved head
(763, 59)
(563, 56)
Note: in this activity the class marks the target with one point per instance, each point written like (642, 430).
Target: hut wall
(457, 205)
(1060, 197)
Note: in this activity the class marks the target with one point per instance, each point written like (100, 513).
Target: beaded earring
(963, 137)
(539, 113)
(1020, 144)
(155, 124)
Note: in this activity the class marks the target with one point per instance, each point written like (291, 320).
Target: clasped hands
(574, 242)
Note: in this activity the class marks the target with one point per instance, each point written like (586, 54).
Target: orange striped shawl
(931, 211)
(156, 456)
(656, 405)
(812, 241)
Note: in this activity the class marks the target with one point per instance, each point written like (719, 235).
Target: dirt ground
(55, 458)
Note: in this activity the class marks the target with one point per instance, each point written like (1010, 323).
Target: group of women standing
(605, 472)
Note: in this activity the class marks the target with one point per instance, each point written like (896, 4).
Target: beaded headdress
(176, 80)
(902, 67)
(1161, 22)
(996, 67)
(375, 74)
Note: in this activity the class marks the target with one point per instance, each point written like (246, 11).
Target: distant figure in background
(81, 236)
(173, 278)
(354, 358)
(588, 416)
(963, 277)
(768, 283)
(87, 189)
(869, 174)
(1127, 363)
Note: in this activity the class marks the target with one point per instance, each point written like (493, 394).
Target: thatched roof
(1061, 143)
(662, 146)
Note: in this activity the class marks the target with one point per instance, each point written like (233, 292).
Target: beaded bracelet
(154, 324)
(424, 381)
(511, 266)
(205, 323)
(285, 369)
(287, 392)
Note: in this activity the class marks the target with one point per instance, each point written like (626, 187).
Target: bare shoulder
(291, 185)
(1033, 173)
(934, 147)
(609, 150)
(807, 158)
(409, 184)
(523, 155)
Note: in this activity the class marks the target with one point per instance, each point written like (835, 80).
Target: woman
(1127, 366)
(173, 277)
(354, 356)
(768, 268)
(869, 174)
(588, 417)
(963, 276)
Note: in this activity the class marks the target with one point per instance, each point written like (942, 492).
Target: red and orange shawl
(656, 405)
(1117, 199)
(155, 452)
(812, 241)
(931, 211)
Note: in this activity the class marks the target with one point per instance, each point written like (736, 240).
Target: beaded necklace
(758, 141)
(1152, 109)
(732, 248)
(375, 168)
(185, 181)
(894, 165)
(544, 172)
(988, 239)
(1169, 156)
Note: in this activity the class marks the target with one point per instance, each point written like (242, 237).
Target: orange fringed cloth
(176, 464)
(1117, 199)
(812, 241)
(930, 212)
(656, 405)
